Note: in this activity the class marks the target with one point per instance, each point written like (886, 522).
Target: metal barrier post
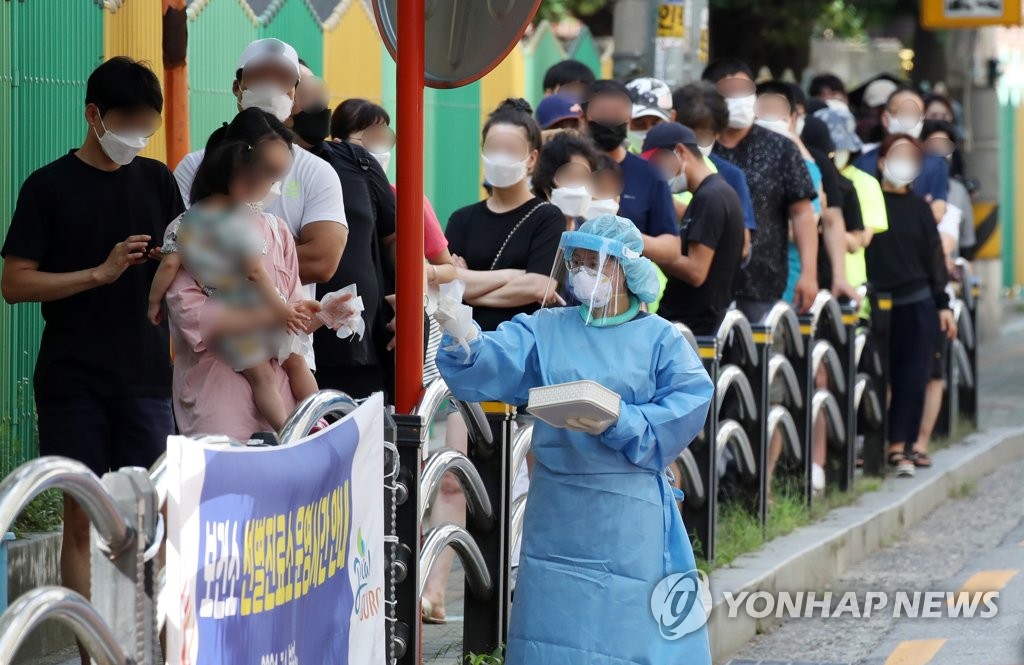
(700, 513)
(969, 392)
(408, 630)
(486, 618)
(3, 568)
(122, 581)
(848, 361)
(876, 439)
(804, 413)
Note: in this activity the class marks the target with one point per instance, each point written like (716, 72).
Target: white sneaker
(817, 479)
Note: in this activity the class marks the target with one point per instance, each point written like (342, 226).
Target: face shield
(589, 273)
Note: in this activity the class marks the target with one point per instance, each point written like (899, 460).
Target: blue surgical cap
(618, 237)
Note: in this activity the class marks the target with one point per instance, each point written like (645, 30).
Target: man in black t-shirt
(700, 282)
(781, 189)
(77, 244)
(356, 366)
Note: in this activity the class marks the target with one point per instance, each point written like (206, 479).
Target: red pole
(409, 296)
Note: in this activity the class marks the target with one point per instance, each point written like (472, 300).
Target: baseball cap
(270, 50)
(878, 92)
(555, 108)
(842, 126)
(667, 136)
(651, 98)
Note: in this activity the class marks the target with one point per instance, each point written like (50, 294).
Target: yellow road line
(987, 580)
(914, 652)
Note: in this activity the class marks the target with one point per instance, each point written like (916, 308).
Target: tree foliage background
(775, 33)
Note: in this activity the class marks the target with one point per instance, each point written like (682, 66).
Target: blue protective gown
(601, 526)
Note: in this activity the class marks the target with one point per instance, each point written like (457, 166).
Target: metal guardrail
(72, 610)
(775, 393)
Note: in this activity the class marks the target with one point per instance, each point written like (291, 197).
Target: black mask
(312, 125)
(607, 137)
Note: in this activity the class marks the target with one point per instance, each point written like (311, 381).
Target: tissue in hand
(341, 314)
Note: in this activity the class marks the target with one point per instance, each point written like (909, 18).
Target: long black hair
(231, 149)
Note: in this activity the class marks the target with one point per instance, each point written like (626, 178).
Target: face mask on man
(590, 287)
(777, 126)
(741, 111)
(608, 137)
(312, 124)
(636, 140)
(677, 183)
(600, 207)
(503, 170)
(572, 201)
(900, 172)
(800, 120)
(383, 156)
(268, 98)
(899, 126)
(120, 148)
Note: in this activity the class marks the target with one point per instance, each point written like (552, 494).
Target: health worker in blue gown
(601, 527)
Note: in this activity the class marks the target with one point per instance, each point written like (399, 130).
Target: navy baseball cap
(666, 136)
(555, 108)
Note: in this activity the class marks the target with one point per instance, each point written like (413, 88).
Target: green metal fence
(42, 91)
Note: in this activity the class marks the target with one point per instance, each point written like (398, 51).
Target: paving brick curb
(811, 557)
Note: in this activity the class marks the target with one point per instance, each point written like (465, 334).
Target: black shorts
(105, 433)
(939, 360)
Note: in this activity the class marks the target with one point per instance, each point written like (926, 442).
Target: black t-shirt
(714, 218)
(477, 234)
(908, 257)
(854, 221)
(69, 216)
(370, 211)
(778, 177)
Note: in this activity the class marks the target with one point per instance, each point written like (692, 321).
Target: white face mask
(741, 111)
(600, 207)
(706, 149)
(800, 126)
(572, 201)
(677, 183)
(777, 126)
(273, 195)
(503, 170)
(120, 148)
(268, 98)
(900, 172)
(636, 139)
(898, 126)
(841, 159)
(383, 157)
(590, 288)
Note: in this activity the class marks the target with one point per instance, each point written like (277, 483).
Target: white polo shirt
(311, 192)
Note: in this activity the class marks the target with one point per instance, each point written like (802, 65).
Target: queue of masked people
(630, 204)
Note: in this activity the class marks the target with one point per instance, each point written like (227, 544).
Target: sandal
(921, 459)
(902, 464)
(427, 613)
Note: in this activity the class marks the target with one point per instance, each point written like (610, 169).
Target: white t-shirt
(311, 192)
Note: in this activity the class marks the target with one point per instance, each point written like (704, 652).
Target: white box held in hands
(576, 399)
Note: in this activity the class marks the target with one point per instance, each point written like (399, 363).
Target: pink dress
(209, 396)
(434, 241)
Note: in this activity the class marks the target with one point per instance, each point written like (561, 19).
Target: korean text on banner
(275, 556)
